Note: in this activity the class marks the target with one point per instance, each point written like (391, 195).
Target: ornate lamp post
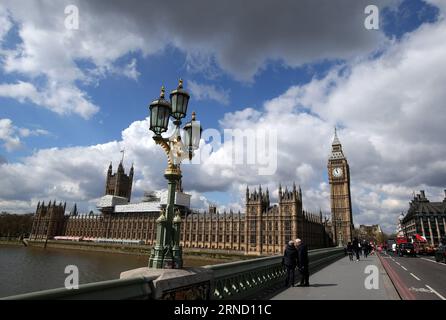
(167, 252)
(338, 226)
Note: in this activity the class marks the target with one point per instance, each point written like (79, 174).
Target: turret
(131, 171)
(258, 199)
(119, 184)
(110, 170)
(120, 168)
(74, 210)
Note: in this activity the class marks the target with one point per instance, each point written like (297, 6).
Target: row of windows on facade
(194, 226)
(150, 227)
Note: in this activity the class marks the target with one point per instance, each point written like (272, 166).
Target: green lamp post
(167, 252)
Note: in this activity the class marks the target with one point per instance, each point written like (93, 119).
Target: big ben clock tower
(341, 203)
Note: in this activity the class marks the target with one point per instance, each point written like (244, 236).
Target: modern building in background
(340, 198)
(425, 218)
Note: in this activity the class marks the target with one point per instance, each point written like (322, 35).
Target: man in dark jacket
(302, 258)
(350, 251)
(290, 261)
(356, 248)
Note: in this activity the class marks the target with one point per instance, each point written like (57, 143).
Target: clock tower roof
(336, 148)
(336, 139)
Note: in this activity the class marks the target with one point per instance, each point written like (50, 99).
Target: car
(440, 254)
(406, 249)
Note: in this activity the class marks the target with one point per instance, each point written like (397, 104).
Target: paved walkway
(343, 280)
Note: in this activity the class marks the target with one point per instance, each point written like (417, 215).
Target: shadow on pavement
(316, 285)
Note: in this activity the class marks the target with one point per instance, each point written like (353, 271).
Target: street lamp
(167, 252)
(338, 226)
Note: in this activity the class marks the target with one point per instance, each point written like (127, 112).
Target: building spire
(336, 147)
(336, 139)
(123, 152)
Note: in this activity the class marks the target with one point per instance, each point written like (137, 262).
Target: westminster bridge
(257, 278)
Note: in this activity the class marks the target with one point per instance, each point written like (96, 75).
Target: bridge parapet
(246, 279)
(118, 289)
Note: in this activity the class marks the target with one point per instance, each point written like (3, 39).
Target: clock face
(337, 172)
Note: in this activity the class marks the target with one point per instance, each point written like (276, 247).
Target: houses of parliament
(262, 229)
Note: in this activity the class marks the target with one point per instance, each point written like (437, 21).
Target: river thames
(27, 269)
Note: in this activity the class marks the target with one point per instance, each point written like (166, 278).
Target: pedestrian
(289, 260)
(366, 249)
(356, 248)
(361, 249)
(350, 251)
(303, 263)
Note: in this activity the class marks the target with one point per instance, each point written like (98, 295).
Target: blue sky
(123, 100)
(122, 81)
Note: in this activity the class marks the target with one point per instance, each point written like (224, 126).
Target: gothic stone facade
(119, 184)
(262, 230)
(48, 221)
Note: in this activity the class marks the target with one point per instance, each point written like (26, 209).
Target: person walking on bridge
(303, 263)
(350, 251)
(356, 248)
(290, 262)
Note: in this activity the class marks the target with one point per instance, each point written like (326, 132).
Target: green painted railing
(245, 279)
(234, 280)
(120, 289)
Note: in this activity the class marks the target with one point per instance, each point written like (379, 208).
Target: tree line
(15, 225)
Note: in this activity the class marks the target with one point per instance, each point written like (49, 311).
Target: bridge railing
(234, 280)
(119, 289)
(245, 279)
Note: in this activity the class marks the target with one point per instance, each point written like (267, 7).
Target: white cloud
(208, 92)
(223, 38)
(21, 91)
(65, 99)
(11, 141)
(5, 22)
(390, 110)
(392, 128)
(11, 134)
(48, 57)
